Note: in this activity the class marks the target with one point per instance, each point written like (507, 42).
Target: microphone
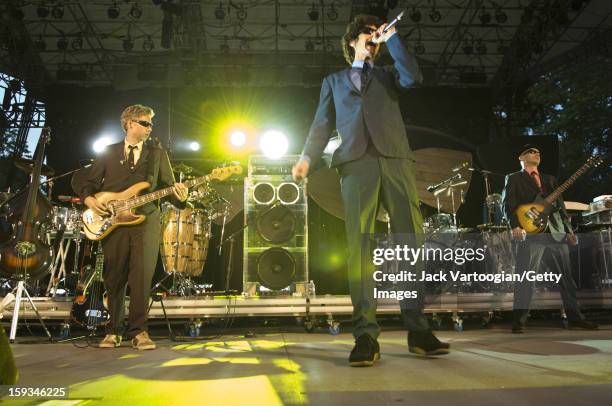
(389, 26)
(461, 166)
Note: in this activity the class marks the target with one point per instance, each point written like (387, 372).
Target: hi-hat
(182, 168)
(27, 165)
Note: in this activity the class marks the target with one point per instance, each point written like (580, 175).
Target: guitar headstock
(224, 173)
(594, 161)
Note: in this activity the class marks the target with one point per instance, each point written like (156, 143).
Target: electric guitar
(533, 217)
(121, 205)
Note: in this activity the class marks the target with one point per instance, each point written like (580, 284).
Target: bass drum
(185, 236)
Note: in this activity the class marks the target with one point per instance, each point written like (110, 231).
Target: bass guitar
(90, 308)
(533, 217)
(121, 205)
(26, 253)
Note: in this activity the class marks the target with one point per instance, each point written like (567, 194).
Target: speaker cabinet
(276, 238)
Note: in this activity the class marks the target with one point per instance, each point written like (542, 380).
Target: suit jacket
(373, 112)
(521, 188)
(110, 173)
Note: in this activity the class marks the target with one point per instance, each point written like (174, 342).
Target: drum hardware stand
(157, 296)
(24, 249)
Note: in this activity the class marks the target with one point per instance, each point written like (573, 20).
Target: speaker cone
(276, 225)
(276, 268)
(263, 193)
(288, 193)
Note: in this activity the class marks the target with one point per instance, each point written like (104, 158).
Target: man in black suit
(549, 248)
(130, 252)
(376, 165)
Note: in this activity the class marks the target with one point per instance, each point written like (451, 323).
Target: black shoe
(365, 352)
(518, 327)
(585, 324)
(425, 343)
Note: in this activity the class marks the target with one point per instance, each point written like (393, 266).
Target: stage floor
(487, 366)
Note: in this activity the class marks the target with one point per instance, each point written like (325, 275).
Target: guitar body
(533, 217)
(97, 226)
(89, 309)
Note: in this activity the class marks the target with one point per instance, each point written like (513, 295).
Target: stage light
(481, 47)
(241, 13)
(500, 16)
(329, 47)
(309, 45)
(62, 43)
(77, 43)
(274, 144)
(42, 11)
(313, 13)
(244, 45)
(332, 14)
(238, 139)
(576, 5)
(484, 16)
(468, 47)
(419, 49)
(148, 44)
(58, 11)
(415, 15)
(135, 11)
(40, 43)
(113, 11)
(101, 143)
(435, 16)
(220, 12)
(128, 44)
(194, 146)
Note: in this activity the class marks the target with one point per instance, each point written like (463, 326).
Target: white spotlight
(101, 143)
(274, 144)
(238, 139)
(194, 146)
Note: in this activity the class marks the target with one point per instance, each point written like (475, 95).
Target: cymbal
(182, 168)
(27, 165)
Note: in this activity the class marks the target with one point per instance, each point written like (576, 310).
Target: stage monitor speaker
(275, 241)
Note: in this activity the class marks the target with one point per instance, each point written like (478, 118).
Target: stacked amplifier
(276, 236)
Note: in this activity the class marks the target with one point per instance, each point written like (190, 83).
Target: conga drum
(201, 237)
(177, 238)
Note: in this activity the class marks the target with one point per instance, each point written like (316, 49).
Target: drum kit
(185, 233)
(442, 230)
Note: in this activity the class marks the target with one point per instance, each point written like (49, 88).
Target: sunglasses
(144, 123)
(532, 151)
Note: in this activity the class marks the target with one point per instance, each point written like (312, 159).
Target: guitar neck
(551, 198)
(159, 194)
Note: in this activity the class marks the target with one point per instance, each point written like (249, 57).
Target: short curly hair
(352, 32)
(133, 112)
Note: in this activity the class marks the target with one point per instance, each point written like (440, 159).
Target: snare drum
(438, 223)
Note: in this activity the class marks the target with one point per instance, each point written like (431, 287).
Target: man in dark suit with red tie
(376, 166)
(549, 248)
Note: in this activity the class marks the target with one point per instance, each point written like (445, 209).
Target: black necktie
(365, 73)
(131, 155)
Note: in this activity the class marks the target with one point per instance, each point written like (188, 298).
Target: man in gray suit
(376, 166)
(549, 248)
